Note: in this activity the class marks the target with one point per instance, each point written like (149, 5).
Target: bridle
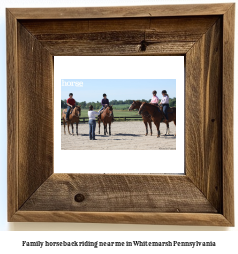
(74, 112)
(133, 104)
(107, 114)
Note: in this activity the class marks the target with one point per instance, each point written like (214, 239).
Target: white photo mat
(120, 67)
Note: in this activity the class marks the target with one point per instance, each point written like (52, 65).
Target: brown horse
(106, 118)
(73, 118)
(156, 115)
(171, 116)
(145, 116)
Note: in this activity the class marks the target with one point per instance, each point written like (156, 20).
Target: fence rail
(85, 119)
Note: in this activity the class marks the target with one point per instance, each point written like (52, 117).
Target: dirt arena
(128, 135)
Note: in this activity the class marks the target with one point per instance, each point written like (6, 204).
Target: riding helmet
(164, 91)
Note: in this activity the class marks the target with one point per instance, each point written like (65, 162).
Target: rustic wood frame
(204, 34)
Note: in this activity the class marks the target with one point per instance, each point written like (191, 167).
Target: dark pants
(165, 110)
(68, 109)
(92, 128)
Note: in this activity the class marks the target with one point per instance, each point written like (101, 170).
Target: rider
(105, 103)
(165, 103)
(155, 99)
(70, 104)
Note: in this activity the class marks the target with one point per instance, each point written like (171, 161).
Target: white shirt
(165, 99)
(92, 114)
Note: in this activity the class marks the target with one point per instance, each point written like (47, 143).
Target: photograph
(125, 114)
(123, 108)
(119, 118)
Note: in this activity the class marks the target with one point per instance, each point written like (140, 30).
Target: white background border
(120, 67)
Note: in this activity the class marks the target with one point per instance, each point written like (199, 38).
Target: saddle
(170, 110)
(103, 109)
(70, 112)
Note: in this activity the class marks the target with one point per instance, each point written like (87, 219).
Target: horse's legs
(72, 124)
(109, 128)
(146, 128)
(64, 125)
(150, 128)
(167, 129)
(98, 126)
(175, 126)
(158, 131)
(68, 127)
(77, 129)
(105, 128)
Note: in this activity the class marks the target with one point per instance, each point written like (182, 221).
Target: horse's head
(133, 105)
(110, 110)
(142, 106)
(77, 111)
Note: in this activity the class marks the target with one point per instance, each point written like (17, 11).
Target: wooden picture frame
(204, 34)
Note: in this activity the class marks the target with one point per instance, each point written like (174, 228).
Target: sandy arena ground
(128, 135)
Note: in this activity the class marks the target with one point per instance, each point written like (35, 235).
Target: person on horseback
(165, 103)
(92, 122)
(155, 99)
(70, 104)
(105, 103)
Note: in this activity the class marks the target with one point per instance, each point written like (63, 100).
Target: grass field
(121, 106)
(117, 112)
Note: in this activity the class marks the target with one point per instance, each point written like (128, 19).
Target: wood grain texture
(179, 25)
(203, 146)
(35, 114)
(227, 114)
(114, 193)
(192, 219)
(204, 196)
(121, 11)
(173, 36)
(71, 48)
(12, 114)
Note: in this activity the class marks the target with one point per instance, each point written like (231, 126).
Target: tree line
(98, 105)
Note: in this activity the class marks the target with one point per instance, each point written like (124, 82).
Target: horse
(156, 115)
(145, 116)
(106, 118)
(171, 116)
(73, 118)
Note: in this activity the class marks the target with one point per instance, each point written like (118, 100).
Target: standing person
(165, 103)
(92, 122)
(155, 99)
(70, 104)
(105, 103)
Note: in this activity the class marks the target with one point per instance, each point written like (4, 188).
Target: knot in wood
(79, 198)
(143, 45)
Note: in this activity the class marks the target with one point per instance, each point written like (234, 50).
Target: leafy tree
(97, 105)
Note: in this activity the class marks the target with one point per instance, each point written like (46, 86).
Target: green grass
(121, 106)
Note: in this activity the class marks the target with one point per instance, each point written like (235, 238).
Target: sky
(92, 90)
